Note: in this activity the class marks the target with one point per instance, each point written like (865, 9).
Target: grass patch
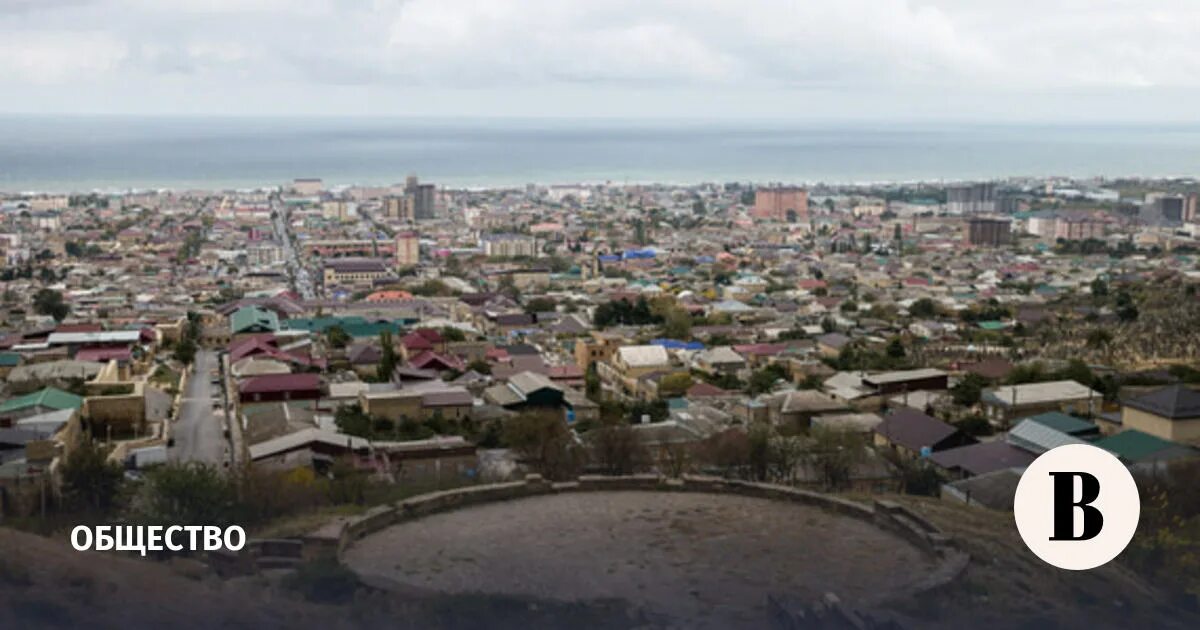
(323, 581)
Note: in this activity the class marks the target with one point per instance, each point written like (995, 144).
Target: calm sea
(108, 153)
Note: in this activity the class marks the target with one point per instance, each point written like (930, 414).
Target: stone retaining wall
(334, 538)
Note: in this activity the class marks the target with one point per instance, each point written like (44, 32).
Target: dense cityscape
(304, 358)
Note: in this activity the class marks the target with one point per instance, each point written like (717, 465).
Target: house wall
(1006, 413)
(1186, 431)
(259, 397)
(931, 383)
(122, 413)
(435, 470)
(392, 407)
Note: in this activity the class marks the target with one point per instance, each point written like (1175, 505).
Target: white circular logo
(1077, 507)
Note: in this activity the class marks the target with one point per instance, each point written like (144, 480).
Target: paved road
(302, 280)
(198, 431)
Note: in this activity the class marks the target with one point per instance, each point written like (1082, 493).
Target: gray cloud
(866, 58)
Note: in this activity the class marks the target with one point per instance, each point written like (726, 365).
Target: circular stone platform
(704, 559)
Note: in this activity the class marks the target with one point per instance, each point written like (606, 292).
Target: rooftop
(1175, 402)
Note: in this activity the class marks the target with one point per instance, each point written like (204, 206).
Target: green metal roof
(253, 319)
(1133, 445)
(354, 325)
(49, 397)
(9, 359)
(1063, 423)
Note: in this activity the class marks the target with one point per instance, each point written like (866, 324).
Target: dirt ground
(697, 559)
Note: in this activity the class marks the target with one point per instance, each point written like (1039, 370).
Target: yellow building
(1171, 413)
(354, 272)
(599, 349)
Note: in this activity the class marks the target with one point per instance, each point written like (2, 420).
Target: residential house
(719, 360)
(980, 459)
(1139, 449)
(795, 410)
(252, 320)
(1171, 413)
(906, 381)
(1004, 404)
(913, 434)
(281, 388)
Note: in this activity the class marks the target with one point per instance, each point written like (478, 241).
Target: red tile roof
(280, 383)
(702, 390)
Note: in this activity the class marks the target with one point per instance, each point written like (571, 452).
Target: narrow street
(301, 279)
(198, 430)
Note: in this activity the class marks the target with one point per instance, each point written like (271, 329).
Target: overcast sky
(883, 60)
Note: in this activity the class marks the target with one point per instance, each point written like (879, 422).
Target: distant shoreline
(83, 154)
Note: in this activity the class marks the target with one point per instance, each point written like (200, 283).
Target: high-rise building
(1078, 227)
(988, 232)
(408, 249)
(395, 207)
(787, 203)
(509, 245)
(978, 198)
(420, 198)
(1162, 208)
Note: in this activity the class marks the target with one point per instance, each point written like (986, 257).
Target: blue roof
(639, 253)
(675, 344)
(609, 258)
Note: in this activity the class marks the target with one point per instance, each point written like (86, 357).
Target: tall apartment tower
(979, 198)
(419, 198)
(395, 207)
(786, 203)
(408, 249)
(988, 232)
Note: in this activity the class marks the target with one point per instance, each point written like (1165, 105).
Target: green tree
(337, 337)
(352, 420)
(968, 390)
(50, 302)
(763, 380)
(540, 305)
(975, 425)
(677, 324)
(923, 308)
(89, 480)
(674, 384)
(1127, 310)
(185, 350)
(450, 333)
(191, 492)
(388, 359)
(591, 382)
(481, 366)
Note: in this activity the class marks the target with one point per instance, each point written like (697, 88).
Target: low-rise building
(1171, 413)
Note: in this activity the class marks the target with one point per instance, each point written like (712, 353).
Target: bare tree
(617, 450)
(833, 455)
(675, 459)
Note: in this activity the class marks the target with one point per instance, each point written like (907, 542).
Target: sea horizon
(84, 153)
